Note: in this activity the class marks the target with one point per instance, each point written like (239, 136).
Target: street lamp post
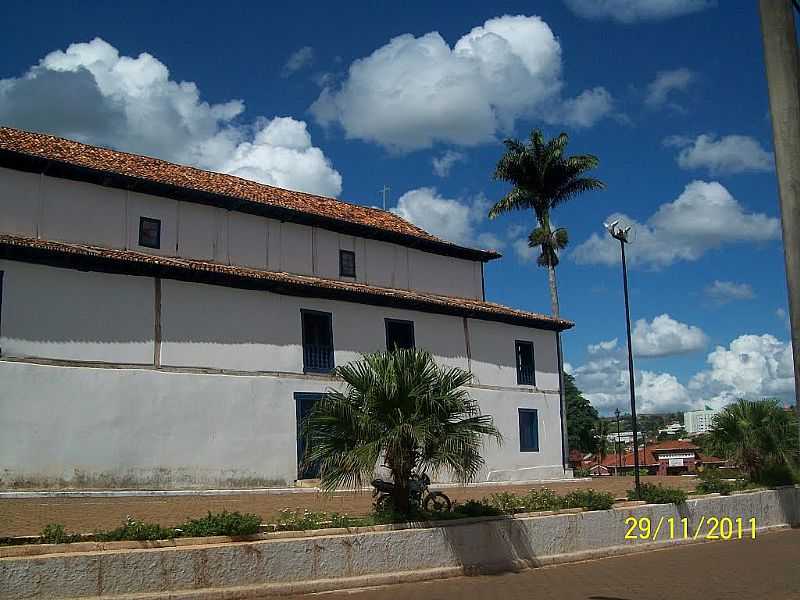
(619, 452)
(622, 235)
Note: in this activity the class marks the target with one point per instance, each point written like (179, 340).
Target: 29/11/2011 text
(709, 528)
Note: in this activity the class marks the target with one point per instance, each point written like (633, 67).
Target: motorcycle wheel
(437, 502)
(384, 503)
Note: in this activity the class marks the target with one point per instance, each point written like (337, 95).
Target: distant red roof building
(671, 457)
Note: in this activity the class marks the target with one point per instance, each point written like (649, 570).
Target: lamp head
(618, 232)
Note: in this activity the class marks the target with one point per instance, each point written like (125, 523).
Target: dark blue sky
(680, 75)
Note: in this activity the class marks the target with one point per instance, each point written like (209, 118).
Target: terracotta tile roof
(130, 261)
(649, 455)
(230, 187)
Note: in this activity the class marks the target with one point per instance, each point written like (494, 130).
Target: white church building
(166, 327)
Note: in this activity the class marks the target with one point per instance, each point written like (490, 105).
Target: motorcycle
(418, 495)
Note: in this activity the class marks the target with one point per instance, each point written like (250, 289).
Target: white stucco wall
(64, 210)
(261, 331)
(20, 202)
(179, 427)
(73, 315)
(493, 354)
(74, 211)
(126, 428)
(111, 318)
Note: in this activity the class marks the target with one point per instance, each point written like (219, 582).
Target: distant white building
(672, 429)
(699, 421)
(624, 437)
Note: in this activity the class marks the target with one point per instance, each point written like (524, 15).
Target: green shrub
(542, 499)
(54, 533)
(476, 508)
(505, 502)
(776, 474)
(588, 499)
(581, 472)
(712, 482)
(133, 530)
(224, 523)
(659, 494)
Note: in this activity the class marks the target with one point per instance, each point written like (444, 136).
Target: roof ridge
(189, 177)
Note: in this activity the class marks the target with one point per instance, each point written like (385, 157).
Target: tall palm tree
(756, 435)
(543, 178)
(402, 409)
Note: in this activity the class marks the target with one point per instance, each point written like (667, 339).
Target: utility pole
(782, 60)
(619, 452)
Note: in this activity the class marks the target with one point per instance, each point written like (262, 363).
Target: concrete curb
(385, 555)
(25, 494)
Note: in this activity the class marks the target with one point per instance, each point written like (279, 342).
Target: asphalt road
(767, 568)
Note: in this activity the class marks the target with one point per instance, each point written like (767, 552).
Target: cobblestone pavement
(28, 516)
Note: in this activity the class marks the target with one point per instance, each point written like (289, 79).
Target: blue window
(526, 367)
(399, 334)
(149, 232)
(347, 263)
(317, 341)
(528, 430)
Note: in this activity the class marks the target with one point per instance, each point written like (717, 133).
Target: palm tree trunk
(551, 276)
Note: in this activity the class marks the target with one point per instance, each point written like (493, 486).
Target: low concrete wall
(341, 559)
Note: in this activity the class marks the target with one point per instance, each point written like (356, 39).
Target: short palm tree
(401, 409)
(756, 435)
(543, 178)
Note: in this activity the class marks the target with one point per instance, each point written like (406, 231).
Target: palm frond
(399, 407)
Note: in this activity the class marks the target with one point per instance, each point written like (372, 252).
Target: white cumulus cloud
(631, 11)
(416, 91)
(703, 217)
(585, 109)
(442, 164)
(724, 156)
(451, 219)
(752, 367)
(91, 93)
(723, 292)
(605, 383)
(664, 336)
(299, 59)
(662, 87)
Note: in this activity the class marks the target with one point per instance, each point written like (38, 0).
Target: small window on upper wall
(347, 263)
(399, 334)
(149, 232)
(528, 430)
(526, 369)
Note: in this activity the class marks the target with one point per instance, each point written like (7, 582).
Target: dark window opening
(526, 369)
(149, 232)
(399, 334)
(305, 402)
(347, 263)
(528, 430)
(317, 341)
